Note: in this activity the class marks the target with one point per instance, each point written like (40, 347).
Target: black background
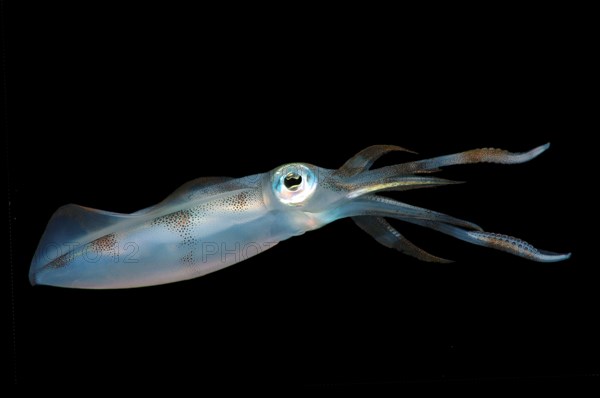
(113, 108)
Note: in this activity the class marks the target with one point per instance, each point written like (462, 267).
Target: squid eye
(294, 183)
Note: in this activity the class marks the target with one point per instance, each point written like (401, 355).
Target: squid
(211, 223)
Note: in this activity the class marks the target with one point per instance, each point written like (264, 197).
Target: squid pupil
(292, 181)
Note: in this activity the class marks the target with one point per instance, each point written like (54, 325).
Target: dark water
(114, 109)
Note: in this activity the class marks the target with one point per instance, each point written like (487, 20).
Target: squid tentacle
(514, 245)
(365, 185)
(364, 159)
(386, 207)
(401, 177)
(483, 155)
(388, 236)
(378, 227)
(383, 207)
(505, 243)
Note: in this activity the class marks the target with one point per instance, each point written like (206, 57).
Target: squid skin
(211, 223)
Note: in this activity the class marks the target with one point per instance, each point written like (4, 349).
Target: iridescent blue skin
(211, 223)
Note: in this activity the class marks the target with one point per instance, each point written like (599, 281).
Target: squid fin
(71, 226)
(186, 192)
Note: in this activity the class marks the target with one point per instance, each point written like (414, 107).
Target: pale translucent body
(211, 223)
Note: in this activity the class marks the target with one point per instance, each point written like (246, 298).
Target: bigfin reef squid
(211, 223)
